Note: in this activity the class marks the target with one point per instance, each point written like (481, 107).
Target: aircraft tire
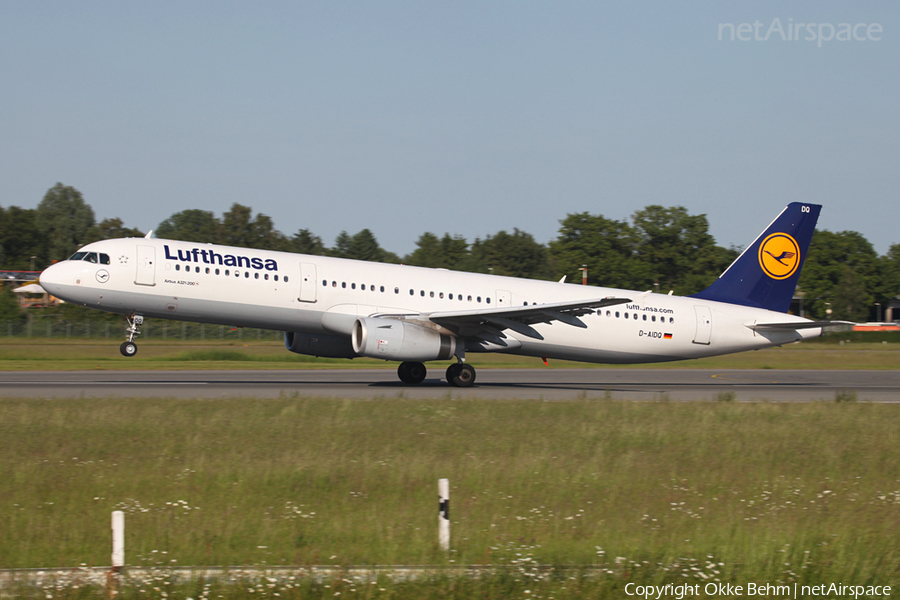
(128, 349)
(411, 372)
(461, 375)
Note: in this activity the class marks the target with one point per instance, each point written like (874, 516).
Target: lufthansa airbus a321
(344, 308)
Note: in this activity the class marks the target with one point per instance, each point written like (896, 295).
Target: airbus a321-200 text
(342, 308)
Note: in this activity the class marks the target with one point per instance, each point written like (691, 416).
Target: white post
(118, 540)
(444, 513)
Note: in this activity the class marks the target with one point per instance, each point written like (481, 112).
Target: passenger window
(653, 318)
(617, 314)
(488, 300)
(352, 286)
(626, 315)
(344, 285)
(479, 299)
(196, 269)
(412, 292)
(256, 276)
(177, 267)
(217, 271)
(372, 289)
(635, 316)
(246, 274)
(422, 293)
(207, 270)
(276, 278)
(104, 259)
(227, 271)
(324, 282)
(266, 276)
(450, 296)
(469, 298)
(285, 279)
(431, 294)
(645, 317)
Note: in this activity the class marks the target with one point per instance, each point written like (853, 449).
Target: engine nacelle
(329, 346)
(392, 339)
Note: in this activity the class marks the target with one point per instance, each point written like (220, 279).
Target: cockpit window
(104, 259)
(91, 257)
(78, 256)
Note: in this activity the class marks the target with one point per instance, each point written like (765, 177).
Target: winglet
(766, 274)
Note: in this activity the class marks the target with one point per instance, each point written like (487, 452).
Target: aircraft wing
(488, 324)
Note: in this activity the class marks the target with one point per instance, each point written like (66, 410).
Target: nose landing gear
(129, 348)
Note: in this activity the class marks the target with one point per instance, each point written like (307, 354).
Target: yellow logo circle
(779, 256)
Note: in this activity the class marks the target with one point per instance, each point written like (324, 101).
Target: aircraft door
(307, 282)
(146, 266)
(704, 325)
(503, 299)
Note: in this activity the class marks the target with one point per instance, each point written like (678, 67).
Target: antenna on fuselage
(149, 235)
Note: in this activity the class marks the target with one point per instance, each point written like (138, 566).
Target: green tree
(9, 306)
(306, 242)
(830, 254)
(448, 252)
(606, 246)
(20, 240)
(361, 246)
(675, 250)
(850, 300)
(515, 255)
(887, 285)
(64, 219)
(111, 229)
(191, 225)
(240, 229)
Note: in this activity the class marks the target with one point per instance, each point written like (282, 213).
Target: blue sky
(462, 117)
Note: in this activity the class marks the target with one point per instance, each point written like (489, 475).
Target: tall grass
(776, 492)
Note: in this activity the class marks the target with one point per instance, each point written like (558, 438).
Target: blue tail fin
(766, 274)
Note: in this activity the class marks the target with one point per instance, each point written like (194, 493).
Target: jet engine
(392, 339)
(329, 346)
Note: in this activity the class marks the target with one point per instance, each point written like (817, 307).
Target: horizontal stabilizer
(796, 325)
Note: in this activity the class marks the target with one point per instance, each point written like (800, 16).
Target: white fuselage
(320, 295)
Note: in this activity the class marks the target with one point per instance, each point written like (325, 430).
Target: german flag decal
(667, 336)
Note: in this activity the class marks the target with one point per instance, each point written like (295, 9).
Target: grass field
(655, 492)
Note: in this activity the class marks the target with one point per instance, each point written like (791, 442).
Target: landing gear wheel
(411, 372)
(128, 349)
(461, 375)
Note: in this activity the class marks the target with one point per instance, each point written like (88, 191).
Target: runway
(534, 384)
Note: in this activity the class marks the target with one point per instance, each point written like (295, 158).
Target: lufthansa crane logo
(779, 256)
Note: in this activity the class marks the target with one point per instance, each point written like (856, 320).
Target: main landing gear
(458, 374)
(129, 348)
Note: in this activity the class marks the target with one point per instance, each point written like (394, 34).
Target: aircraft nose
(51, 278)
